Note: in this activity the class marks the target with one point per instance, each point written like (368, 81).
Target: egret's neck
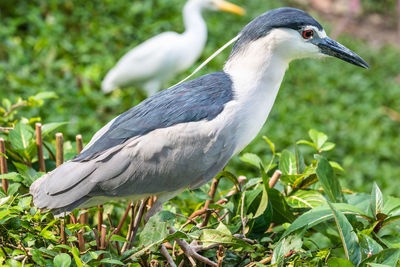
(195, 26)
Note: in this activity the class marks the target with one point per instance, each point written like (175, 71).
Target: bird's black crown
(284, 17)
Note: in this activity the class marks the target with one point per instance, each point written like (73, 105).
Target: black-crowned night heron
(182, 137)
(160, 58)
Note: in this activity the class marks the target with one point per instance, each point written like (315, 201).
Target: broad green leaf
(336, 166)
(300, 165)
(338, 262)
(281, 210)
(349, 237)
(319, 138)
(156, 229)
(329, 182)
(284, 246)
(263, 204)
(287, 163)
(376, 202)
(252, 159)
(13, 263)
(118, 238)
(45, 95)
(328, 146)
(76, 255)
(62, 260)
(112, 261)
(378, 265)
(388, 257)
(21, 136)
(306, 199)
(222, 235)
(369, 245)
(321, 214)
(4, 200)
(49, 127)
(37, 257)
(14, 176)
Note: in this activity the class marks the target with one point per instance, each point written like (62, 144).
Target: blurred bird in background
(160, 58)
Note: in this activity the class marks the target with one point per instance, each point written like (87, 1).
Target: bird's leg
(157, 206)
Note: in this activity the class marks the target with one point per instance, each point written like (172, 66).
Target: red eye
(308, 34)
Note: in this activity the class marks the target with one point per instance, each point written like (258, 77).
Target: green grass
(68, 46)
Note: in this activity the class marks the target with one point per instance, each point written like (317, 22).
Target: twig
(103, 236)
(130, 226)
(81, 241)
(213, 189)
(220, 255)
(136, 223)
(39, 144)
(62, 233)
(274, 179)
(6, 129)
(99, 217)
(3, 165)
(109, 220)
(165, 253)
(17, 105)
(96, 237)
(243, 219)
(121, 223)
(79, 143)
(59, 149)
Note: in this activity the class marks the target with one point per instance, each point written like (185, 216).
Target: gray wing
(184, 152)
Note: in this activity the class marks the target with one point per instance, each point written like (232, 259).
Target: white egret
(160, 58)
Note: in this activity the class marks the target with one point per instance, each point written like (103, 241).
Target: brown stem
(96, 237)
(39, 144)
(62, 233)
(274, 179)
(17, 105)
(213, 189)
(121, 223)
(59, 149)
(81, 241)
(165, 253)
(3, 165)
(79, 143)
(103, 237)
(99, 218)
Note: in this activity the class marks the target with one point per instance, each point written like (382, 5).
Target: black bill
(333, 48)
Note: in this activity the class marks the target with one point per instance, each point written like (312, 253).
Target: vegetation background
(65, 47)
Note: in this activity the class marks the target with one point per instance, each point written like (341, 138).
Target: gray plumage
(183, 136)
(131, 158)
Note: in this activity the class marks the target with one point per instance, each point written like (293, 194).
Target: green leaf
(319, 138)
(37, 257)
(336, 166)
(263, 204)
(348, 236)
(112, 261)
(321, 214)
(308, 143)
(118, 238)
(21, 136)
(281, 210)
(388, 257)
(222, 235)
(62, 260)
(291, 243)
(328, 146)
(306, 199)
(156, 229)
(376, 204)
(14, 176)
(44, 95)
(287, 163)
(329, 182)
(49, 127)
(252, 159)
(338, 262)
(76, 254)
(271, 145)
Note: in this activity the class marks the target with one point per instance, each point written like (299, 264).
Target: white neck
(194, 22)
(256, 72)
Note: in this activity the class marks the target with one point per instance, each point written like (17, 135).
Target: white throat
(256, 72)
